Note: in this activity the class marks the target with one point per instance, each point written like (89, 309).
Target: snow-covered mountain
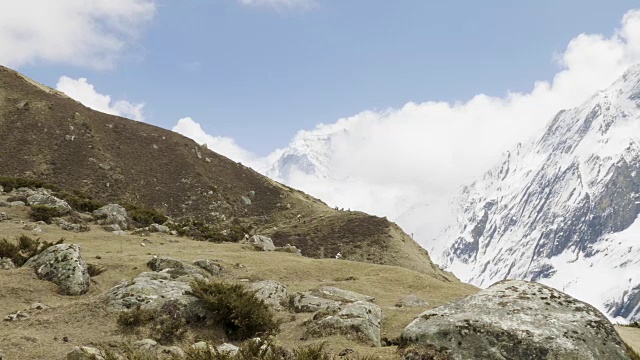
(562, 209)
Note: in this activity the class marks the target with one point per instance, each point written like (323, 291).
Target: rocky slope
(50, 137)
(562, 209)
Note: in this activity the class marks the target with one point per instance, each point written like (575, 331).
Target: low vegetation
(23, 248)
(203, 231)
(166, 325)
(10, 183)
(238, 310)
(79, 201)
(95, 270)
(43, 213)
(144, 216)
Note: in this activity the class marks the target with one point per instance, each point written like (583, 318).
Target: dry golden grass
(84, 320)
(631, 336)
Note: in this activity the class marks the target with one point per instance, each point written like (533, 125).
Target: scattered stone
(359, 321)
(271, 292)
(210, 266)
(26, 227)
(175, 268)
(63, 265)
(111, 228)
(65, 339)
(228, 349)
(333, 293)
(289, 249)
(4, 204)
(84, 353)
(17, 316)
(17, 203)
(411, 301)
(246, 200)
(112, 214)
(4, 216)
(201, 345)
(262, 243)
(49, 201)
(38, 306)
(305, 302)
(172, 351)
(158, 228)
(145, 344)
(515, 319)
(6, 264)
(68, 226)
(141, 232)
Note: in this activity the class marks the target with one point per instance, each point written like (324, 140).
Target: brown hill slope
(48, 136)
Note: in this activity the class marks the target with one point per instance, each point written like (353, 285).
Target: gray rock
(411, 301)
(119, 233)
(4, 216)
(158, 228)
(360, 321)
(112, 214)
(68, 226)
(145, 344)
(517, 320)
(210, 266)
(228, 349)
(111, 228)
(173, 267)
(63, 265)
(84, 353)
(4, 204)
(246, 200)
(305, 302)
(27, 227)
(17, 316)
(202, 345)
(289, 249)
(49, 201)
(263, 243)
(141, 232)
(271, 292)
(1, 189)
(6, 264)
(17, 203)
(172, 352)
(333, 293)
(151, 290)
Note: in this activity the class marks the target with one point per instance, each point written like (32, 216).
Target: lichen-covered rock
(84, 353)
(411, 301)
(333, 293)
(289, 249)
(271, 292)
(49, 201)
(228, 349)
(63, 265)
(69, 226)
(112, 214)
(262, 243)
(158, 228)
(4, 216)
(111, 228)
(360, 320)
(16, 203)
(517, 320)
(305, 302)
(210, 266)
(151, 291)
(6, 264)
(174, 267)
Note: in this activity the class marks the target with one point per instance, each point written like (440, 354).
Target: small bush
(10, 183)
(80, 202)
(131, 319)
(95, 270)
(144, 216)
(241, 313)
(20, 197)
(24, 248)
(168, 325)
(43, 213)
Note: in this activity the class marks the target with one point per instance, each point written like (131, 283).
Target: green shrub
(10, 183)
(44, 213)
(80, 202)
(24, 248)
(168, 324)
(241, 313)
(20, 197)
(143, 215)
(95, 270)
(134, 318)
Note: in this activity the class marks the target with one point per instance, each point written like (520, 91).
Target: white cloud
(280, 4)
(222, 145)
(78, 32)
(84, 92)
(385, 162)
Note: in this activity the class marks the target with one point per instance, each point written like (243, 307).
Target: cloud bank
(82, 91)
(386, 162)
(77, 32)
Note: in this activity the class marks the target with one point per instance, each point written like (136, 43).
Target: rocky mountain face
(562, 209)
(45, 135)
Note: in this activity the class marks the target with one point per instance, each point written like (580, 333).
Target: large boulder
(271, 292)
(262, 243)
(158, 228)
(151, 291)
(112, 214)
(305, 302)
(360, 321)
(49, 201)
(211, 266)
(517, 320)
(84, 353)
(175, 268)
(63, 265)
(333, 293)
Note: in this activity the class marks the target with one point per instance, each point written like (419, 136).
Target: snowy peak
(560, 198)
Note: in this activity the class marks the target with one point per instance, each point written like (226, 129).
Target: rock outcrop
(112, 214)
(262, 243)
(305, 302)
(271, 292)
(333, 293)
(517, 320)
(210, 266)
(63, 265)
(43, 199)
(360, 320)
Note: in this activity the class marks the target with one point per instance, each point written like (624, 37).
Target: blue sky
(259, 74)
